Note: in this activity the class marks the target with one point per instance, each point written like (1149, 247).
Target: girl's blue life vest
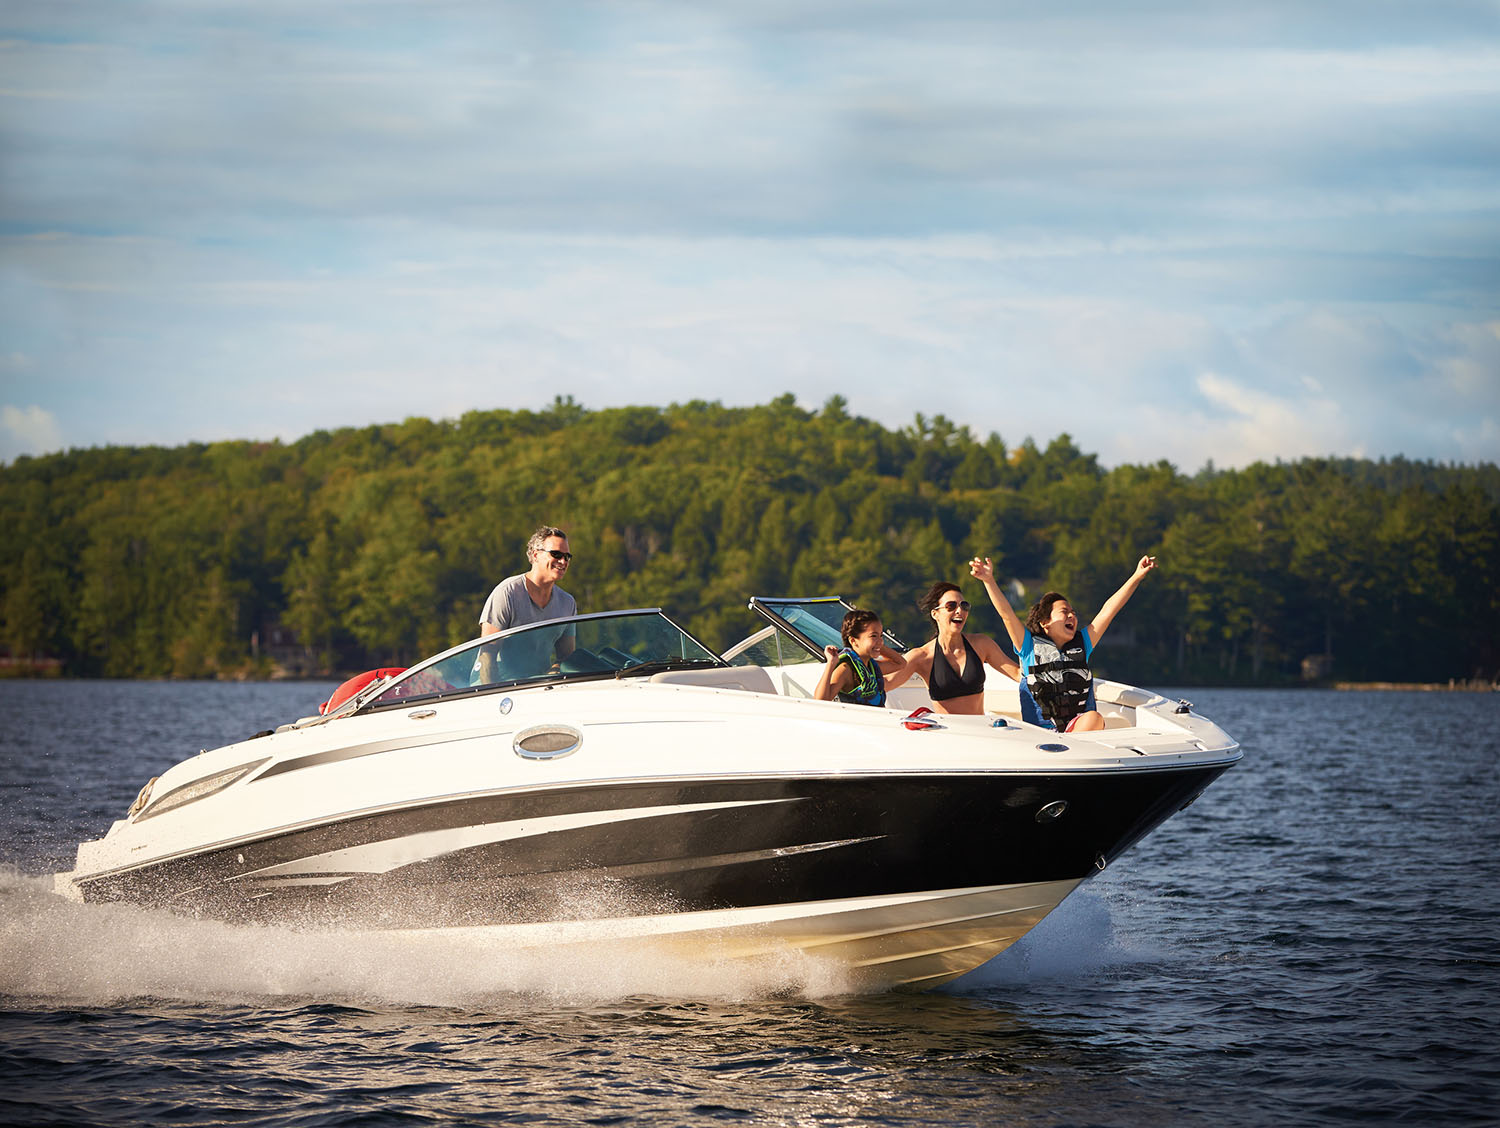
(1059, 679)
(869, 683)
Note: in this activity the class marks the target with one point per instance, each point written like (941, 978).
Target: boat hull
(907, 878)
(909, 941)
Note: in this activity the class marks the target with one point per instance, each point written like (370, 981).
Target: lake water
(1316, 941)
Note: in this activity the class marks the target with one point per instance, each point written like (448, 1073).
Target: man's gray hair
(539, 538)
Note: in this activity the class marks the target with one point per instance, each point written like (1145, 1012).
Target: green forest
(377, 545)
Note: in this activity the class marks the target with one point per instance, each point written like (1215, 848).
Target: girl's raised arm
(983, 571)
(834, 679)
(911, 663)
(1115, 602)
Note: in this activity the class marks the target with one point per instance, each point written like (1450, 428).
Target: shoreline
(12, 669)
(1422, 687)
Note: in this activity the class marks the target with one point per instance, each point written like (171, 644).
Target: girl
(1057, 690)
(853, 673)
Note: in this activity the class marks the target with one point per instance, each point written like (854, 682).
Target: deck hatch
(547, 742)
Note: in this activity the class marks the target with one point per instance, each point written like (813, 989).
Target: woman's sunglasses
(952, 606)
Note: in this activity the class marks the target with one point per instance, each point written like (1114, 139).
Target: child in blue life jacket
(1057, 685)
(853, 672)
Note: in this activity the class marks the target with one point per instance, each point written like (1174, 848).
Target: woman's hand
(981, 569)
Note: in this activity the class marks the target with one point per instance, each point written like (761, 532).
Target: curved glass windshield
(812, 621)
(616, 644)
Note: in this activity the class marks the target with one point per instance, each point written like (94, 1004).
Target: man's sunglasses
(558, 554)
(952, 606)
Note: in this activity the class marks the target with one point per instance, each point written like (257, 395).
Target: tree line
(378, 545)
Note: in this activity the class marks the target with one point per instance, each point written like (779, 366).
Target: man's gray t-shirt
(510, 605)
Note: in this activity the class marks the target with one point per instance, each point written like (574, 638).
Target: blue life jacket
(869, 683)
(1058, 679)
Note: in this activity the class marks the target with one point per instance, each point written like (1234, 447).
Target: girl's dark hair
(1041, 611)
(855, 623)
(928, 603)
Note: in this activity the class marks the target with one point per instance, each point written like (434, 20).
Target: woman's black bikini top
(945, 682)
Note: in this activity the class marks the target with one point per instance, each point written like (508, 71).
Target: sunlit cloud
(27, 430)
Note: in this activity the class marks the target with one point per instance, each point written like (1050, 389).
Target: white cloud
(1274, 426)
(1469, 366)
(27, 430)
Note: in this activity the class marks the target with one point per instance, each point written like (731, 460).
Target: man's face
(544, 564)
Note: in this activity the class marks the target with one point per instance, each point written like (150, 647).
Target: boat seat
(750, 679)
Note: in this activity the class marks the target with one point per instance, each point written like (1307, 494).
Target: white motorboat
(642, 788)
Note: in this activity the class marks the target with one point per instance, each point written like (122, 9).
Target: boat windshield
(814, 622)
(615, 644)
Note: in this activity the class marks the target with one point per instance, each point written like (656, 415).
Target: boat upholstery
(749, 678)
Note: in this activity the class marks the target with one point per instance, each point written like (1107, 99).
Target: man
(532, 597)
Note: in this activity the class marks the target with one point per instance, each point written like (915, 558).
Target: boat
(609, 778)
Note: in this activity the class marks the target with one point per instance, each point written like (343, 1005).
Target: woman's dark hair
(1041, 611)
(928, 603)
(855, 623)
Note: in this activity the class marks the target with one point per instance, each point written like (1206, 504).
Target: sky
(1189, 230)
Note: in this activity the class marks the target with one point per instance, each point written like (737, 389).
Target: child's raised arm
(833, 680)
(983, 571)
(1114, 603)
(902, 666)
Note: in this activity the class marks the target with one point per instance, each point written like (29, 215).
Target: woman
(853, 673)
(952, 664)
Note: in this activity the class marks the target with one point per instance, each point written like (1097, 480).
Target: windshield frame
(762, 606)
(369, 701)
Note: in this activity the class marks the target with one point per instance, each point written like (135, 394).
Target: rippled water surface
(1316, 941)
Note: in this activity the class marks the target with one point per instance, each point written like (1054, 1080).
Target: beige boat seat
(751, 679)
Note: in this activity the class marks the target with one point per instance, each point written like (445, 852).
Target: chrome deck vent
(547, 742)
